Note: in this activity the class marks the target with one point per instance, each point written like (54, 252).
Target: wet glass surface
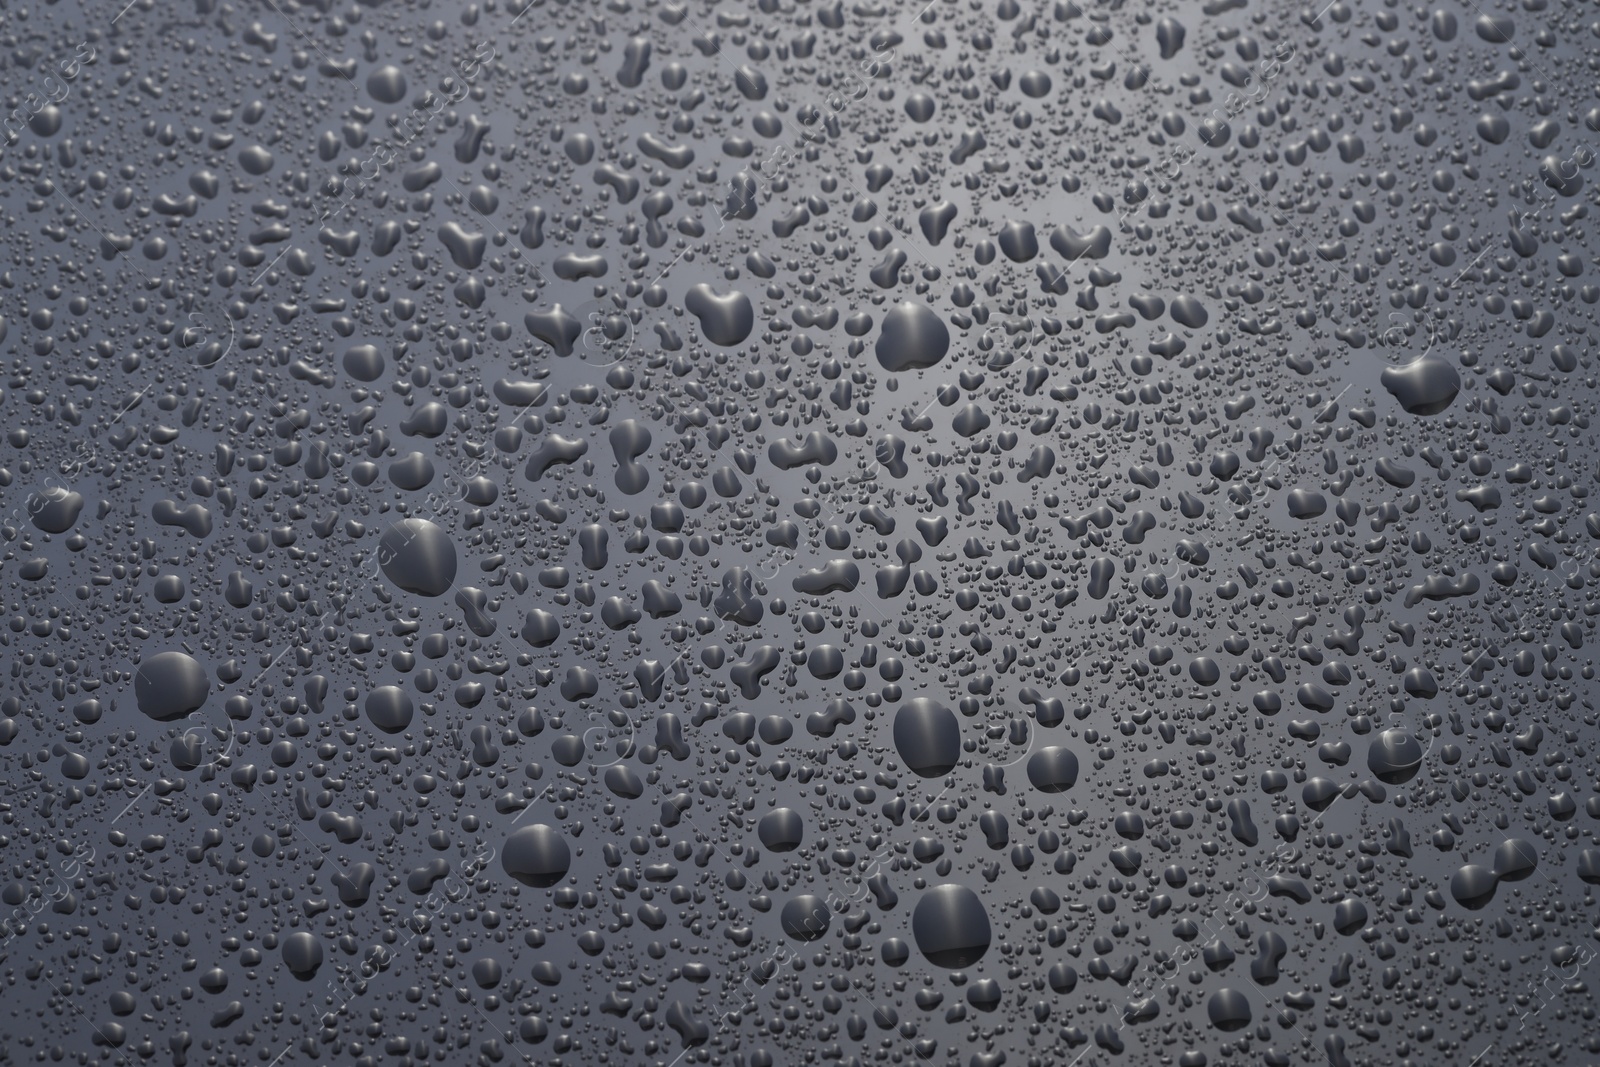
(777, 533)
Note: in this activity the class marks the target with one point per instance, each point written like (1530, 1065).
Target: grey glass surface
(788, 533)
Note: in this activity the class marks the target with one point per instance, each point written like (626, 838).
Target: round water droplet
(302, 954)
(927, 736)
(1394, 757)
(806, 917)
(1053, 769)
(951, 927)
(1473, 886)
(170, 685)
(418, 556)
(1229, 1010)
(536, 856)
(389, 708)
(781, 830)
(387, 85)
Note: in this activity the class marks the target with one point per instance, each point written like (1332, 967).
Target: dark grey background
(183, 284)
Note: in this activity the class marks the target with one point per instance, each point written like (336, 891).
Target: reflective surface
(755, 535)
